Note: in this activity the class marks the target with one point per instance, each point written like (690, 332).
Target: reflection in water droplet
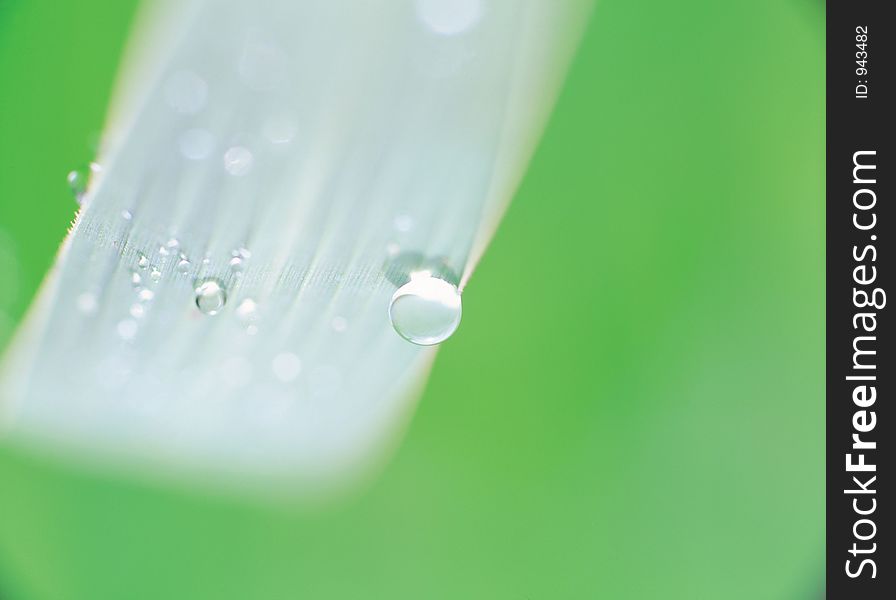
(210, 296)
(77, 183)
(142, 261)
(286, 366)
(183, 265)
(426, 310)
(237, 160)
(449, 17)
(236, 263)
(155, 274)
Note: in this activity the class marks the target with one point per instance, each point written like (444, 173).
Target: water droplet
(449, 17)
(196, 144)
(77, 182)
(339, 324)
(145, 295)
(87, 303)
(126, 215)
(403, 223)
(186, 92)
(210, 296)
(286, 366)
(163, 251)
(183, 266)
(136, 311)
(142, 261)
(127, 329)
(279, 129)
(247, 310)
(426, 310)
(242, 252)
(238, 160)
(136, 280)
(236, 263)
(173, 243)
(95, 167)
(155, 274)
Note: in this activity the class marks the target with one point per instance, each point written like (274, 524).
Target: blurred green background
(633, 407)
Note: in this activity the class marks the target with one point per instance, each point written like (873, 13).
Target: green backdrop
(633, 406)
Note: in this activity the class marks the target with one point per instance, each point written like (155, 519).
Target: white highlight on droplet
(196, 144)
(426, 310)
(238, 160)
(286, 366)
(186, 92)
(449, 17)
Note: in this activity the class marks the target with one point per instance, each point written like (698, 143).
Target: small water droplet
(136, 280)
(173, 243)
(196, 144)
(87, 303)
(339, 324)
(95, 167)
(426, 310)
(155, 274)
(163, 251)
(247, 310)
(210, 296)
(238, 160)
(142, 261)
(236, 263)
(286, 366)
(403, 223)
(136, 311)
(77, 183)
(145, 295)
(126, 215)
(127, 329)
(183, 266)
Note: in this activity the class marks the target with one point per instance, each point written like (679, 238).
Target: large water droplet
(426, 310)
(210, 296)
